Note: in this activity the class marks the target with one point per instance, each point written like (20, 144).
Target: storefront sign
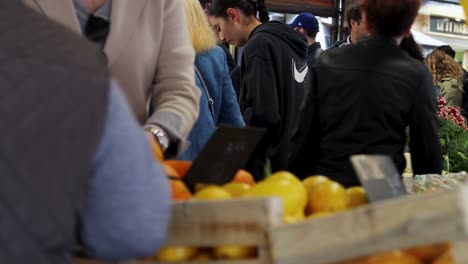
(448, 26)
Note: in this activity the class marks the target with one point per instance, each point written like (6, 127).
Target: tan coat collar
(125, 15)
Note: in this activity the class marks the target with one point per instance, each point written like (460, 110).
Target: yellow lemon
(327, 196)
(170, 254)
(312, 181)
(287, 176)
(236, 189)
(297, 217)
(234, 252)
(203, 255)
(357, 196)
(285, 189)
(212, 192)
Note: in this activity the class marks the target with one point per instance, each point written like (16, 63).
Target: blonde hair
(201, 34)
(442, 65)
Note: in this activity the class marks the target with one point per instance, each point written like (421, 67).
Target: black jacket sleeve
(426, 153)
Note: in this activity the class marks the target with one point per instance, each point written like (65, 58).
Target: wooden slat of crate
(460, 252)
(249, 261)
(229, 222)
(211, 223)
(398, 223)
(87, 261)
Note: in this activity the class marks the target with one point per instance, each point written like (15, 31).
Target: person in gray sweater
(77, 169)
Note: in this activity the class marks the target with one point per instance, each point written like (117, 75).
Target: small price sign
(379, 176)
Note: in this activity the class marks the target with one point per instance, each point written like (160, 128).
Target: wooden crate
(231, 222)
(394, 224)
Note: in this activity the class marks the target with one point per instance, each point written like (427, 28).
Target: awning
(323, 8)
(444, 10)
(455, 43)
(426, 40)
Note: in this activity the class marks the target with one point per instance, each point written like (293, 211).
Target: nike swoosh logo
(299, 75)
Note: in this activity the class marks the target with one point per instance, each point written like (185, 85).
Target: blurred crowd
(88, 85)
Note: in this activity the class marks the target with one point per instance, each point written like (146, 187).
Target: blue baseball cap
(306, 21)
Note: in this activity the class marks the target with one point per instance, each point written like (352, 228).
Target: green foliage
(454, 142)
(267, 169)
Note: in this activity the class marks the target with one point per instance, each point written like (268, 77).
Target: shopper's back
(364, 96)
(368, 93)
(53, 100)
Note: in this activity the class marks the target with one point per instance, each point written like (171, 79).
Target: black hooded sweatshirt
(274, 81)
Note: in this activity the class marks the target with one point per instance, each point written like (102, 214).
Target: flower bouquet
(453, 137)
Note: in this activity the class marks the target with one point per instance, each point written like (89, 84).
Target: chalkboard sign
(227, 151)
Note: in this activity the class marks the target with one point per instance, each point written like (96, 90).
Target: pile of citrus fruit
(435, 254)
(315, 196)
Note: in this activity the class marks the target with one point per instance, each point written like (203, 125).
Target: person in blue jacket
(218, 103)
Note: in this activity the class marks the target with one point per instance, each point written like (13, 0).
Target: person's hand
(157, 150)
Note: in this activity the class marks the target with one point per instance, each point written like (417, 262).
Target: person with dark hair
(274, 74)
(356, 25)
(363, 97)
(447, 50)
(413, 49)
(307, 25)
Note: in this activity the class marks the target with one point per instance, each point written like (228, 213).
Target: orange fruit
(169, 171)
(446, 258)
(429, 253)
(244, 176)
(179, 191)
(181, 166)
(328, 196)
(157, 151)
(393, 258)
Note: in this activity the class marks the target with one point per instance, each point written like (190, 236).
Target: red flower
(453, 113)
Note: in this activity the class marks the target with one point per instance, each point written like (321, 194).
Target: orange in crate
(446, 258)
(393, 257)
(179, 190)
(244, 176)
(429, 253)
(157, 151)
(181, 166)
(170, 171)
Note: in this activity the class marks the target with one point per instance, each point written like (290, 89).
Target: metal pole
(337, 22)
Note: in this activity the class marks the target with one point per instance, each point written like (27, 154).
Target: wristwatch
(159, 135)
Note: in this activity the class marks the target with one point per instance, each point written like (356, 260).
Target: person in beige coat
(149, 54)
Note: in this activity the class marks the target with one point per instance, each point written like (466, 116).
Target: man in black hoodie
(274, 74)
